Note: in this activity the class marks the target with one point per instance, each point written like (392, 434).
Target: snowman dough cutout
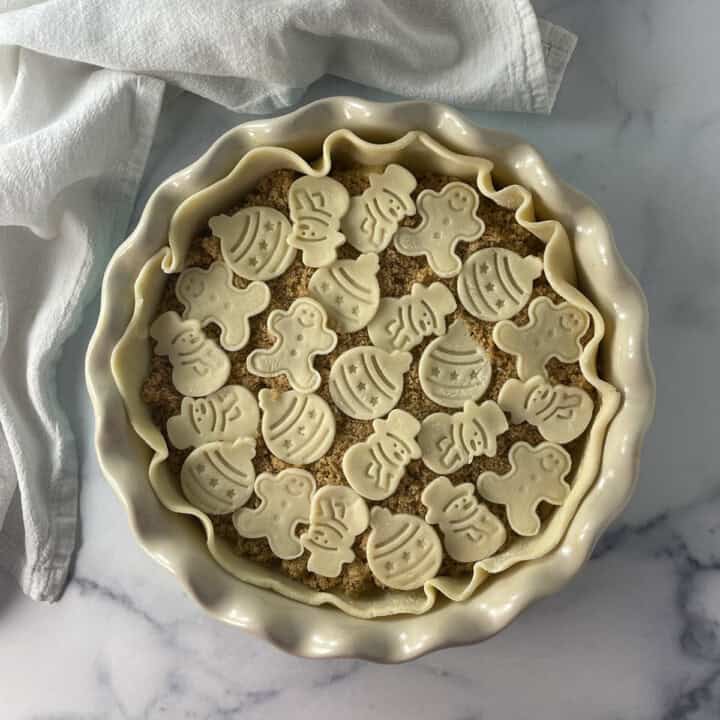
(367, 382)
(536, 474)
(227, 414)
(470, 531)
(301, 333)
(298, 428)
(199, 366)
(253, 242)
(337, 516)
(375, 466)
(447, 218)
(552, 331)
(316, 206)
(454, 368)
(403, 551)
(284, 504)
(495, 284)
(218, 477)
(349, 291)
(560, 412)
(211, 297)
(402, 323)
(374, 216)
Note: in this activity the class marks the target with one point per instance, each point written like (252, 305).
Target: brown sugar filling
(396, 275)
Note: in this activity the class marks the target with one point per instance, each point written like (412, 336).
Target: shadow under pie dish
(373, 377)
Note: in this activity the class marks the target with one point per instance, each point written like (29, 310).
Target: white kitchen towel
(81, 83)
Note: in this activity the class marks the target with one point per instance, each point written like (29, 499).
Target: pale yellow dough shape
(447, 218)
(284, 504)
(454, 368)
(495, 284)
(298, 428)
(227, 414)
(537, 474)
(218, 477)
(402, 323)
(337, 516)
(470, 531)
(199, 365)
(301, 333)
(253, 242)
(375, 466)
(560, 412)
(316, 206)
(551, 331)
(403, 551)
(211, 297)
(374, 216)
(349, 291)
(450, 441)
(367, 382)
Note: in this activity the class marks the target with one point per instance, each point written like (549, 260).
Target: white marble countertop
(637, 634)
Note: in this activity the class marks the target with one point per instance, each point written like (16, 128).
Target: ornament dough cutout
(199, 365)
(301, 333)
(375, 466)
(337, 516)
(211, 297)
(284, 504)
(536, 474)
(227, 414)
(447, 218)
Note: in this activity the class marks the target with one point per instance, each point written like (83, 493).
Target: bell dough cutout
(560, 412)
(253, 242)
(495, 284)
(403, 551)
(402, 323)
(337, 516)
(218, 477)
(367, 382)
(211, 297)
(447, 218)
(470, 531)
(284, 504)
(552, 331)
(448, 442)
(454, 368)
(349, 291)
(375, 466)
(199, 366)
(536, 474)
(301, 333)
(298, 428)
(316, 206)
(374, 216)
(227, 414)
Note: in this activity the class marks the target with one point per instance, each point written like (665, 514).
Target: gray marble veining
(637, 634)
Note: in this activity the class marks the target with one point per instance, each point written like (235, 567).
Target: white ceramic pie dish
(177, 542)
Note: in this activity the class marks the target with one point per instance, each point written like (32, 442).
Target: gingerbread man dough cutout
(552, 331)
(337, 516)
(302, 332)
(560, 412)
(211, 297)
(536, 474)
(316, 206)
(227, 414)
(374, 216)
(447, 218)
(402, 323)
(284, 504)
(199, 365)
(470, 531)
